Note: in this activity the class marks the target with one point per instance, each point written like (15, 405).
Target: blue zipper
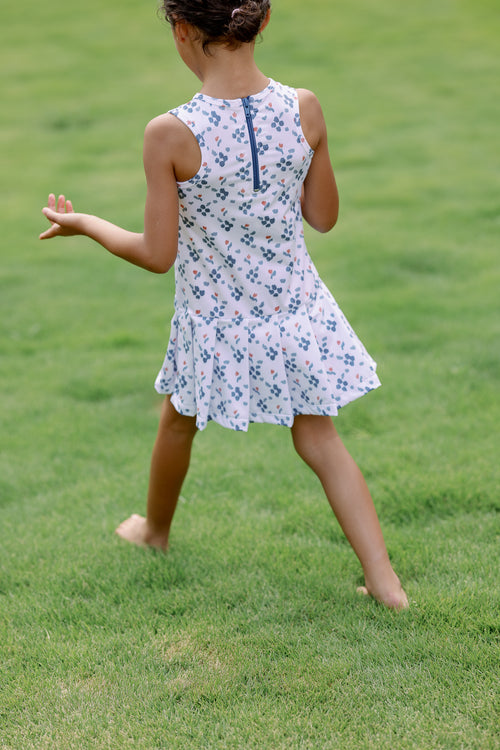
(253, 144)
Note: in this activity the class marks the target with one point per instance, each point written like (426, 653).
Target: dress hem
(285, 420)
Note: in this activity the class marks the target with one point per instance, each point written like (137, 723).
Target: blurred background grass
(410, 97)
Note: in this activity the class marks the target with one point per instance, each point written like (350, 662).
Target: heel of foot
(136, 531)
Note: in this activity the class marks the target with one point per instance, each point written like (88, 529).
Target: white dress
(256, 336)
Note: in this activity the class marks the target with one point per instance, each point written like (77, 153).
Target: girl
(256, 336)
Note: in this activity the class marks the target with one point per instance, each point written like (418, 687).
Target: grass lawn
(249, 634)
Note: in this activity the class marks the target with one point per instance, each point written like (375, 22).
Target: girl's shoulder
(173, 143)
(311, 117)
(166, 126)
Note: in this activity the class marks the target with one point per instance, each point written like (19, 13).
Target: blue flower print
(255, 369)
(220, 368)
(252, 274)
(221, 159)
(210, 241)
(331, 325)
(217, 311)
(342, 384)
(284, 164)
(272, 353)
(236, 294)
(294, 303)
(268, 253)
(214, 118)
(304, 343)
(243, 173)
(246, 207)
(324, 349)
(205, 355)
(215, 274)
(267, 221)
(197, 292)
(248, 238)
(240, 134)
(278, 124)
(186, 222)
(349, 360)
(274, 290)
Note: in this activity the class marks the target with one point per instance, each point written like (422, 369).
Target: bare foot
(386, 588)
(392, 600)
(136, 530)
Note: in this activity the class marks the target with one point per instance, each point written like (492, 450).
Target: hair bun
(218, 23)
(246, 20)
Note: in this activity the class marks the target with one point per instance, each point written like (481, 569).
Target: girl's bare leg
(318, 443)
(169, 465)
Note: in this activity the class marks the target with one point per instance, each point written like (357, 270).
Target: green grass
(249, 633)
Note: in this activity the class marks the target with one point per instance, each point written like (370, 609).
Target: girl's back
(241, 242)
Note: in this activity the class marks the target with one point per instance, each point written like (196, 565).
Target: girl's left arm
(320, 198)
(155, 248)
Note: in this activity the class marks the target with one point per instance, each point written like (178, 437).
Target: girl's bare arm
(320, 198)
(155, 248)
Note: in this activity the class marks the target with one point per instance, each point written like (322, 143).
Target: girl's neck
(231, 74)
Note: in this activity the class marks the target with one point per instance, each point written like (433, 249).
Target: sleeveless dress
(256, 336)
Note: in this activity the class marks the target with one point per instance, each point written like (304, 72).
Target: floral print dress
(256, 336)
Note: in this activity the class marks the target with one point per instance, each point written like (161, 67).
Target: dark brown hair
(229, 22)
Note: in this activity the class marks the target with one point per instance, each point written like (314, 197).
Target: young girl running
(256, 336)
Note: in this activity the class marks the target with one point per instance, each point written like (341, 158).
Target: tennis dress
(256, 335)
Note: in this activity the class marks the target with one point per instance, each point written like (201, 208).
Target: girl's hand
(64, 222)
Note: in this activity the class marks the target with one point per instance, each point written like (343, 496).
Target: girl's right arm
(155, 248)
(320, 198)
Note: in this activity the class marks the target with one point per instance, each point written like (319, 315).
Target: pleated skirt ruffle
(266, 369)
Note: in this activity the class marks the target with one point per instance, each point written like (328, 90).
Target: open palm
(63, 219)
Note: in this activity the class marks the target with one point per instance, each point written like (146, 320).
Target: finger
(61, 202)
(69, 207)
(51, 214)
(49, 233)
(55, 217)
(51, 203)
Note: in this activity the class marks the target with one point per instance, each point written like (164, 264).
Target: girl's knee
(311, 433)
(173, 421)
(312, 428)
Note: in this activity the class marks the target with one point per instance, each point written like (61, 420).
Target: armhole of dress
(305, 143)
(179, 115)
